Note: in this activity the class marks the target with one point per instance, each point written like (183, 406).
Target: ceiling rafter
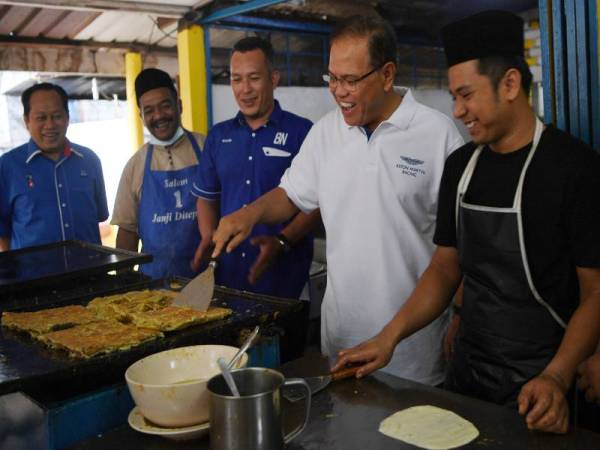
(55, 22)
(83, 25)
(3, 11)
(164, 10)
(34, 12)
(70, 43)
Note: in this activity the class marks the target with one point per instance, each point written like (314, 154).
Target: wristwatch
(286, 245)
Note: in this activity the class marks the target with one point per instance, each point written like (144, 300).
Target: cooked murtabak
(119, 306)
(110, 323)
(85, 341)
(216, 313)
(47, 320)
(175, 318)
(150, 299)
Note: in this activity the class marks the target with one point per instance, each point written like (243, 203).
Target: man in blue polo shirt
(50, 188)
(245, 157)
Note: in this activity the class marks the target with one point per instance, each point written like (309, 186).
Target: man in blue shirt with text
(245, 157)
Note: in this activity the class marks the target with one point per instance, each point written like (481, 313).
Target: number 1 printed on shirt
(178, 203)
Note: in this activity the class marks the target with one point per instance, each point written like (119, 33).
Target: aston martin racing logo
(409, 166)
(411, 161)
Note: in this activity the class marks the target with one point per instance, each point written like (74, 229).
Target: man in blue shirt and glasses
(245, 157)
(50, 189)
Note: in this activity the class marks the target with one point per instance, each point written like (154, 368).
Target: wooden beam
(78, 59)
(55, 22)
(3, 11)
(34, 12)
(82, 24)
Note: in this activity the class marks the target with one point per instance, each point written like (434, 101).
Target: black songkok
(149, 79)
(488, 33)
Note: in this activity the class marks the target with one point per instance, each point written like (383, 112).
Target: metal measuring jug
(251, 421)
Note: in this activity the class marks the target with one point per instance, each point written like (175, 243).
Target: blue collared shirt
(238, 166)
(43, 201)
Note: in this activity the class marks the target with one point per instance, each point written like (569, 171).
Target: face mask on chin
(155, 141)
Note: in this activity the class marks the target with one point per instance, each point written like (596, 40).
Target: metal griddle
(74, 272)
(39, 266)
(28, 366)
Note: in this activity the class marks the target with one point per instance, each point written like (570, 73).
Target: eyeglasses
(348, 82)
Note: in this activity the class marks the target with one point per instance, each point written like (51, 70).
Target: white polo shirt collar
(404, 113)
(402, 116)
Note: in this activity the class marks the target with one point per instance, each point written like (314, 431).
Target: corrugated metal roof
(154, 23)
(87, 23)
(116, 21)
(129, 27)
(12, 17)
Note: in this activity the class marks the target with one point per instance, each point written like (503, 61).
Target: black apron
(507, 334)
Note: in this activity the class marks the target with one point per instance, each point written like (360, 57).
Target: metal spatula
(198, 293)
(319, 383)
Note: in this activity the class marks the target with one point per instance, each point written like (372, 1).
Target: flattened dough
(429, 427)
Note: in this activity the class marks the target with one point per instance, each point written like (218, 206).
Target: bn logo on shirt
(280, 138)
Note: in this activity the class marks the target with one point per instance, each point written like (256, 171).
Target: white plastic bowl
(169, 387)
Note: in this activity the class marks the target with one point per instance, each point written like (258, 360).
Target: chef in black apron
(515, 346)
(508, 333)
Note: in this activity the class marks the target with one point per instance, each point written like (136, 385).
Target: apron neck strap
(465, 179)
(539, 128)
(148, 161)
(194, 143)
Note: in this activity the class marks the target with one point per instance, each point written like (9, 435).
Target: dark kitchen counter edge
(346, 415)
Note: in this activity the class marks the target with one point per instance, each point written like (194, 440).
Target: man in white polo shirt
(373, 167)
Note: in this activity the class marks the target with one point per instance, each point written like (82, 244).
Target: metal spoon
(228, 378)
(244, 347)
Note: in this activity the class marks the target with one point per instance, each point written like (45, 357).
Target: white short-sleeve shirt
(378, 199)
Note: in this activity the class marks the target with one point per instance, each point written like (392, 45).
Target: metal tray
(28, 366)
(46, 264)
